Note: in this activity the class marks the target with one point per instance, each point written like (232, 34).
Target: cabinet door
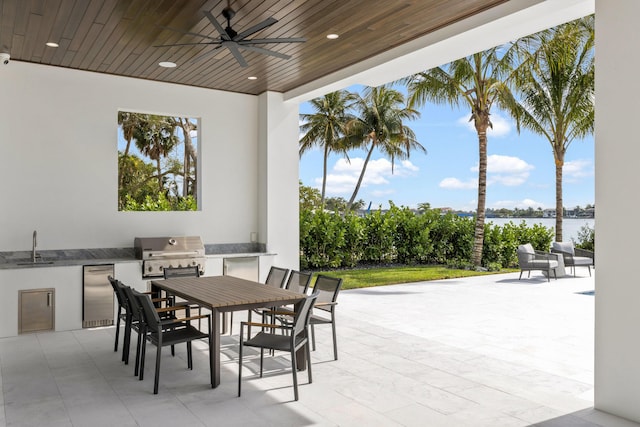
(242, 267)
(36, 310)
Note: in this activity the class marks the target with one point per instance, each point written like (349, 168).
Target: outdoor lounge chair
(573, 257)
(530, 259)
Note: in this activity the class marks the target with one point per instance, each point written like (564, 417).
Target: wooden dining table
(222, 294)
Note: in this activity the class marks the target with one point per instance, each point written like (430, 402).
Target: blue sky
(521, 171)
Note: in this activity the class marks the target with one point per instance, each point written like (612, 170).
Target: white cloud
(501, 125)
(504, 170)
(520, 204)
(342, 179)
(575, 170)
(456, 184)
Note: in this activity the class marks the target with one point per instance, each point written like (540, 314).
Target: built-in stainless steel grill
(158, 253)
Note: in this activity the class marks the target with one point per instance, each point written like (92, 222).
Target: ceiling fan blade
(189, 33)
(189, 44)
(283, 40)
(264, 24)
(204, 55)
(217, 25)
(265, 51)
(233, 47)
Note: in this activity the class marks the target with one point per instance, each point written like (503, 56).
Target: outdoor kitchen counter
(66, 258)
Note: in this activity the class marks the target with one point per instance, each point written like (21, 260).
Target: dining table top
(227, 293)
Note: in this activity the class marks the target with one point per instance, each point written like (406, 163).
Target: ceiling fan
(235, 41)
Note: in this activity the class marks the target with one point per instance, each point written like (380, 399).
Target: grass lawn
(364, 278)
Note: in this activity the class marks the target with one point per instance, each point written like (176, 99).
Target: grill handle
(173, 254)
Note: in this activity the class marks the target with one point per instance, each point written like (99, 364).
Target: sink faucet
(34, 256)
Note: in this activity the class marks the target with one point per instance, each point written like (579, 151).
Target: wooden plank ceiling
(118, 36)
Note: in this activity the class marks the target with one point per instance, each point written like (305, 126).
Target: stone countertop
(65, 257)
(73, 257)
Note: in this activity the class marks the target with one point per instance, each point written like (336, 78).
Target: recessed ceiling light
(167, 64)
(332, 36)
(52, 44)
(252, 78)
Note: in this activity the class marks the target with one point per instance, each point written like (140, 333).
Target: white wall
(58, 167)
(279, 222)
(617, 316)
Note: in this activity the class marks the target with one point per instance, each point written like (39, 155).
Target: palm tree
(379, 124)
(557, 87)
(325, 128)
(128, 122)
(478, 82)
(155, 139)
(190, 162)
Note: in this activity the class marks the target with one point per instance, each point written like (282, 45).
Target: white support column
(278, 200)
(617, 300)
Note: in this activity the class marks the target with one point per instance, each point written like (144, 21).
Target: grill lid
(168, 247)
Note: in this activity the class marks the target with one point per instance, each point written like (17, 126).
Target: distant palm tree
(325, 128)
(155, 139)
(128, 122)
(380, 124)
(557, 87)
(476, 81)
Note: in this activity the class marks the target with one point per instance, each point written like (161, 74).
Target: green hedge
(330, 240)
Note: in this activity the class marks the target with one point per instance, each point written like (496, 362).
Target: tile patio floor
(483, 351)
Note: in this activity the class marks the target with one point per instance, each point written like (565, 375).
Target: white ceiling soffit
(493, 27)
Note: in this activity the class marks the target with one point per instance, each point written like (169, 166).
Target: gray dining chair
(164, 332)
(276, 278)
(295, 338)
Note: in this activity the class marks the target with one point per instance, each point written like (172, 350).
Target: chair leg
(313, 337)
(521, 271)
(308, 350)
(125, 343)
(294, 368)
(589, 267)
(335, 339)
(555, 274)
(157, 376)
(189, 356)
(261, 359)
(115, 347)
(240, 348)
(138, 346)
(549, 275)
(143, 353)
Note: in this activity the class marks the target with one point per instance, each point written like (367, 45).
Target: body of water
(570, 226)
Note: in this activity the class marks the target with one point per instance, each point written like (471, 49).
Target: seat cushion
(526, 249)
(582, 260)
(542, 264)
(566, 247)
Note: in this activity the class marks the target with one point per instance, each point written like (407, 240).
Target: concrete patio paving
(482, 351)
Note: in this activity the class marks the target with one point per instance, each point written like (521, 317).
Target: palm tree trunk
(478, 237)
(559, 160)
(190, 158)
(324, 175)
(364, 168)
(159, 174)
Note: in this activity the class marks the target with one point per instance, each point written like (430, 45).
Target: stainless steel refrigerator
(97, 295)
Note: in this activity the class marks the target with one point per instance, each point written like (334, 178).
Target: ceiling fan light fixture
(167, 64)
(332, 36)
(236, 41)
